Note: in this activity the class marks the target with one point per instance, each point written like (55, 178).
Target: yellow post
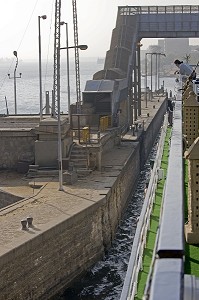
(85, 134)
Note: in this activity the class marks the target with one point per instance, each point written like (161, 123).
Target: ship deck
(191, 251)
(154, 223)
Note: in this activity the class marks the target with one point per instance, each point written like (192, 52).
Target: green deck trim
(191, 265)
(154, 222)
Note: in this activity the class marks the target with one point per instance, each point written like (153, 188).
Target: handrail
(130, 283)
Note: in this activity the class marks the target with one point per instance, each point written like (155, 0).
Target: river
(105, 280)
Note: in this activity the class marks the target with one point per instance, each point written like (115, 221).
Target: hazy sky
(96, 19)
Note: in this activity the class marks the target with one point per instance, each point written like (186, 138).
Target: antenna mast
(56, 77)
(77, 72)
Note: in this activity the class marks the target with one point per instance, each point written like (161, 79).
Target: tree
(187, 58)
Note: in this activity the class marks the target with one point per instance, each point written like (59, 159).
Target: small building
(192, 228)
(107, 98)
(190, 118)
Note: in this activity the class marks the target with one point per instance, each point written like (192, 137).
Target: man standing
(185, 70)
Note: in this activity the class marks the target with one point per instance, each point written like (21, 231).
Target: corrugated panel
(99, 86)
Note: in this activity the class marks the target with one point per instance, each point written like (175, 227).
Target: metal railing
(135, 263)
(87, 130)
(134, 10)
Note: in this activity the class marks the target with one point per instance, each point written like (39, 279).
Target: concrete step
(33, 173)
(83, 172)
(48, 172)
(78, 156)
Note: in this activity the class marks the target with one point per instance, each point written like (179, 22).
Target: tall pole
(40, 72)
(81, 47)
(15, 86)
(139, 79)
(151, 77)
(56, 87)
(59, 127)
(146, 79)
(156, 68)
(15, 82)
(40, 81)
(68, 72)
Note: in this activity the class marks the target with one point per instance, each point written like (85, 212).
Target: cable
(47, 61)
(20, 43)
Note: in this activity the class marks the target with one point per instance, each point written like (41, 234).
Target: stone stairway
(79, 160)
(34, 171)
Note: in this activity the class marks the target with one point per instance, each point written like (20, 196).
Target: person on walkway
(185, 70)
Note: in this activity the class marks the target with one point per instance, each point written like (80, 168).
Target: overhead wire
(47, 58)
(3, 81)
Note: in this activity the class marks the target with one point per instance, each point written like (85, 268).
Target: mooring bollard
(133, 130)
(24, 223)
(29, 220)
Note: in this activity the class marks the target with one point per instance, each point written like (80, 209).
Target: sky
(96, 20)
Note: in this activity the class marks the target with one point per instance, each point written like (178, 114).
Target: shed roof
(99, 86)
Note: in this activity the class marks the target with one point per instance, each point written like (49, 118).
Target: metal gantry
(56, 77)
(56, 87)
(77, 71)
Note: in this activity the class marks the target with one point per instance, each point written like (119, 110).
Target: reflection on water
(105, 280)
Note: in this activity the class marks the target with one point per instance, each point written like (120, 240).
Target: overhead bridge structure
(122, 62)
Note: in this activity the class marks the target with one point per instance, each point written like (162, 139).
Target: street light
(158, 67)
(81, 47)
(15, 82)
(40, 73)
(157, 72)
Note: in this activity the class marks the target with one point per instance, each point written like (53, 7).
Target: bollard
(29, 220)
(136, 127)
(133, 130)
(24, 223)
(98, 136)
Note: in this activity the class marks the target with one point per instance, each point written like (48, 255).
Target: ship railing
(167, 270)
(135, 262)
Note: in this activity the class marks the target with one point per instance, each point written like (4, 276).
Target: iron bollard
(24, 223)
(29, 220)
(98, 136)
(133, 130)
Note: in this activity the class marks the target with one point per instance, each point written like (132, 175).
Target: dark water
(105, 280)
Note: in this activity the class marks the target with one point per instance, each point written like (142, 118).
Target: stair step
(74, 156)
(83, 171)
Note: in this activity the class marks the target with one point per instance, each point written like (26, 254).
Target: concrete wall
(16, 146)
(147, 141)
(52, 260)
(67, 247)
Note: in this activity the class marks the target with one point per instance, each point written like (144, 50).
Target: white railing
(135, 262)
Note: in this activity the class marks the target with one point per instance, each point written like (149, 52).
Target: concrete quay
(71, 228)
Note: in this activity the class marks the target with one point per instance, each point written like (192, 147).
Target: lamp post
(15, 81)
(67, 65)
(40, 72)
(158, 67)
(81, 47)
(151, 77)
(146, 79)
(157, 72)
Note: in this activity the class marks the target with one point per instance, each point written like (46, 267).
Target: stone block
(22, 167)
(46, 153)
